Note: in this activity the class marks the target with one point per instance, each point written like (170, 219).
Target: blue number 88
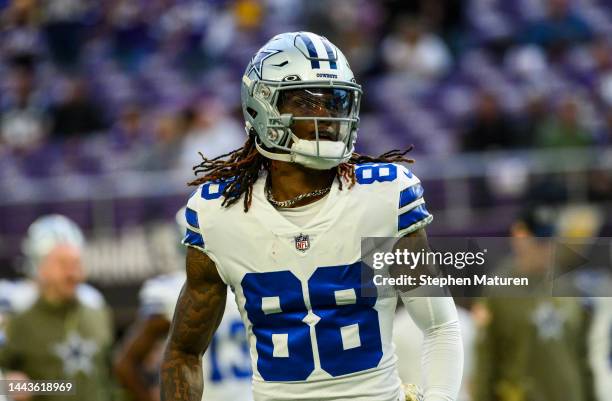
(339, 318)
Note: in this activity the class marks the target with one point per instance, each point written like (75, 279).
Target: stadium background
(105, 104)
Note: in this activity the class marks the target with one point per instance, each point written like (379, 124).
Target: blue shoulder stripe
(192, 218)
(412, 216)
(193, 238)
(410, 194)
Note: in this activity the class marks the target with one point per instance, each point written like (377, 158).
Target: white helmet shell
(298, 60)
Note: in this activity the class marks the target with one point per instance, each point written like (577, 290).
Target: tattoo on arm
(198, 312)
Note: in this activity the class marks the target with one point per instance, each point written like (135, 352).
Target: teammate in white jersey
(291, 254)
(226, 364)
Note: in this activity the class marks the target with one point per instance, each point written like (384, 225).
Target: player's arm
(442, 358)
(198, 312)
(442, 355)
(136, 347)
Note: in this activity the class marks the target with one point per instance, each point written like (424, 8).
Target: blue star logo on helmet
(257, 62)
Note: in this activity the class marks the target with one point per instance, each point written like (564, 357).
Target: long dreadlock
(241, 168)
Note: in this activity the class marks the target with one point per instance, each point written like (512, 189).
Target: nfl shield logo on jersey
(302, 242)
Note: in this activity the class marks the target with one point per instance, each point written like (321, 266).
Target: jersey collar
(278, 224)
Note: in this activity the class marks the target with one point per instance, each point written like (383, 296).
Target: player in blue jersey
(291, 254)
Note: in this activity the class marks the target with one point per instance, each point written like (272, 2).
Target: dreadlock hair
(240, 168)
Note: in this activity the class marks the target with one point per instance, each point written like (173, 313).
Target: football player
(291, 253)
(227, 369)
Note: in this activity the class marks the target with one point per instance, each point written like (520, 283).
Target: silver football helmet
(309, 79)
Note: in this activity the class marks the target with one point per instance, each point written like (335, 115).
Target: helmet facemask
(325, 118)
(298, 80)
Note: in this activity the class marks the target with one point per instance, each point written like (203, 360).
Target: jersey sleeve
(412, 212)
(202, 221)
(193, 234)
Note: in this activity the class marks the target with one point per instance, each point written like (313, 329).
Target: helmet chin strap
(308, 161)
(283, 157)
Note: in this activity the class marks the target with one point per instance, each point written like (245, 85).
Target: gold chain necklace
(291, 202)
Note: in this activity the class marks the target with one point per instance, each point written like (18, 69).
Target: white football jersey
(226, 364)
(600, 348)
(298, 289)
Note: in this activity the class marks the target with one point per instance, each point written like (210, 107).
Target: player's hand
(413, 392)
(13, 376)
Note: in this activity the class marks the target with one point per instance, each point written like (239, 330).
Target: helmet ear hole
(291, 78)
